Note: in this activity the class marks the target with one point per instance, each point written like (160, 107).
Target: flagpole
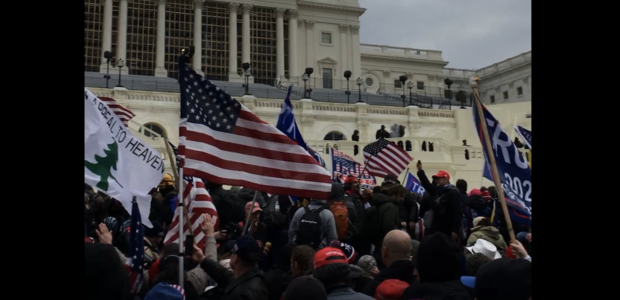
(176, 177)
(181, 227)
(247, 220)
(489, 148)
(404, 177)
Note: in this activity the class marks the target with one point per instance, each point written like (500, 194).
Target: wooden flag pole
(176, 177)
(489, 148)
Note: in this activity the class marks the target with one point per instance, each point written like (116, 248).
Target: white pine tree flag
(115, 161)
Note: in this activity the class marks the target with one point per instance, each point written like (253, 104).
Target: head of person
(166, 185)
(244, 255)
(305, 288)
(368, 264)
(331, 267)
(397, 192)
(396, 246)
(441, 179)
(502, 279)
(351, 184)
(461, 185)
(301, 260)
(438, 259)
(254, 210)
(155, 234)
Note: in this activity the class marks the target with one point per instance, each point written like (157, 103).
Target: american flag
(123, 113)
(135, 257)
(383, 157)
(344, 165)
(196, 196)
(224, 142)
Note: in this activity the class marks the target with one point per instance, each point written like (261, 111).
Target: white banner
(115, 161)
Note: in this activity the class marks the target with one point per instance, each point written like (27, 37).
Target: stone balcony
(383, 50)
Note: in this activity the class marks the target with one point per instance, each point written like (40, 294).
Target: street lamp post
(108, 56)
(120, 64)
(359, 88)
(305, 78)
(347, 75)
(246, 71)
(410, 86)
(403, 79)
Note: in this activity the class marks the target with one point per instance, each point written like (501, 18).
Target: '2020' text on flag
(115, 161)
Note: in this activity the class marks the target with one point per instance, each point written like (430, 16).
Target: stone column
(356, 68)
(292, 45)
(160, 69)
(121, 45)
(197, 59)
(310, 47)
(526, 88)
(233, 69)
(280, 42)
(245, 45)
(343, 55)
(106, 42)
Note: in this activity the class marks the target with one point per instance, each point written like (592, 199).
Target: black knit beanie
(305, 288)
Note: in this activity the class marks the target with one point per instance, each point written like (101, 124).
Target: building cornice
(442, 63)
(502, 71)
(358, 10)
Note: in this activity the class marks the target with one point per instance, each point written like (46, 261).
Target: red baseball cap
(441, 174)
(391, 289)
(327, 256)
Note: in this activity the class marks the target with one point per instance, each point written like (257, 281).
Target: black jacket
(249, 286)
(401, 270)
(451, 290)
(447, 207)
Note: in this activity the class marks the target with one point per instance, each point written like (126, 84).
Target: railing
(400, 51)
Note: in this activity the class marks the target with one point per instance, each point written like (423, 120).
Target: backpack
(272, 216)
(341, 218)
(309, 231)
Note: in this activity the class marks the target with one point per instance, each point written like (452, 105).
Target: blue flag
(486, 172)
(286, 124)
(525, 135)
(514, 171)
(413, 184)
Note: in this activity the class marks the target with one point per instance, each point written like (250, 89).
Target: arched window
(334, 136)
(152, 127)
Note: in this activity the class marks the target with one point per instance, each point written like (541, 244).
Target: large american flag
(135, 257)
(198, 200)
(224, 142)
(123, 113)
(383, 157)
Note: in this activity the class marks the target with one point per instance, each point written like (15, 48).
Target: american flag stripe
(384, 157)
(226, 143)
(180, 289)
(123, 113)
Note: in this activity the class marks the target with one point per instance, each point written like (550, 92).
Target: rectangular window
(326, 38)
(327, 78)
(492, 98)
(505, 95)
(397, 84)
(519, 91)
(420, 85)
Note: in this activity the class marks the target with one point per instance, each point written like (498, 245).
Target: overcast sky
(471, 33)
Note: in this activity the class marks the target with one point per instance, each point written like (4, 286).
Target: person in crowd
(368, 264)
(274, 277)
(396, 255)
(483, 230)
(502, 279)
(525, 237)
(342, 219)
(473, 263)
(105, 275)
(485, 247)
(332, 269)
(305, 288)
(438, 270)
(382, 217)
(318, 228)
(446, 211)
(353, 195)
(256, 228)
(246, 281)
(474, 206)
(166, 291)
(301, 263)
(152, 239)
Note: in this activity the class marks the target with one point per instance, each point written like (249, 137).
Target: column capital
(355, 29)
(343, 27)
(293, 14)
(198, 4)
(300, 22)
(309, 24)
(247, 8)
(280, 12)
(233, 7)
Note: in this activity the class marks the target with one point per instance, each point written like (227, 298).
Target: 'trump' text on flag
(344, 165)
(413, 184)
(224, 142)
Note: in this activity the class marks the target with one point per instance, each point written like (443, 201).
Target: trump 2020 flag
(344, 165)
(514, 171)
(525, 135)
(286, 124)
(115, 161)
(413, 184)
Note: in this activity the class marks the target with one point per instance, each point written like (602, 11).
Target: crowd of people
(385, 243)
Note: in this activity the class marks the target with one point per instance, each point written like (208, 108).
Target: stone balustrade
(400, 51)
